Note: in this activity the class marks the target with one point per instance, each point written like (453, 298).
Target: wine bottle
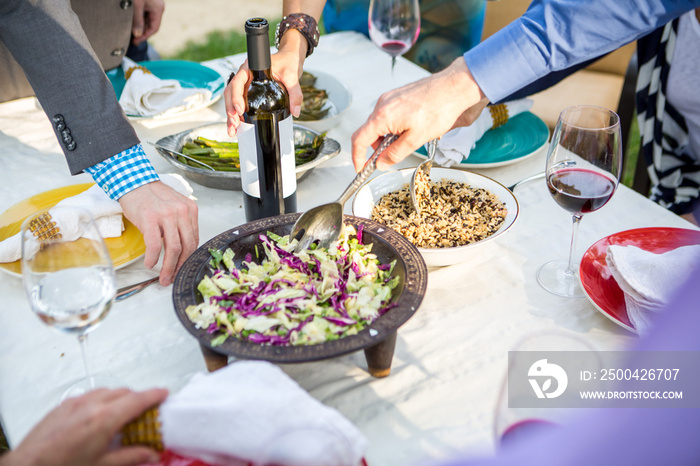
(266, 135)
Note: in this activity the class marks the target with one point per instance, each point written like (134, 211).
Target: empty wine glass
(584, 162)
(394, 26)
(69, 282)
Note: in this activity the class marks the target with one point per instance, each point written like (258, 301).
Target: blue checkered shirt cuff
(124, 172)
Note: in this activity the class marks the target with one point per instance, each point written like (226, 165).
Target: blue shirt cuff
(124, 172)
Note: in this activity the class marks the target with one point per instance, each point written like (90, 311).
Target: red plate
(599, 285)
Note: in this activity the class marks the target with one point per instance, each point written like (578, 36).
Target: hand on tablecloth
(147, 95)
(80, 431)
(648, 280)
(457, 143)
(168, 221)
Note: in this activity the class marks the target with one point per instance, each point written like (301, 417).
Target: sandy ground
(186, 20)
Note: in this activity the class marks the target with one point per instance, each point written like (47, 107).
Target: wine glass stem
(393, 63)
(570, 267)
(82, 339)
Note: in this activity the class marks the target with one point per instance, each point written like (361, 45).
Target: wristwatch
(303, 23)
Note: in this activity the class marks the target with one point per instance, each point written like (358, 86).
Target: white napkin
(106, 212)
(649, 280)
(253, 412)
(147, 95)
(456, 144)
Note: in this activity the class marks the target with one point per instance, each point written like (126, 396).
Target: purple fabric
(625, 436)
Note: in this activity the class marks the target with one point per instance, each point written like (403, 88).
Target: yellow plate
(123, 249)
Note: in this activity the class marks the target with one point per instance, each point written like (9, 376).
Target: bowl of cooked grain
(464, 209)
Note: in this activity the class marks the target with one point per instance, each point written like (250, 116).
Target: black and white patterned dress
(673, 169)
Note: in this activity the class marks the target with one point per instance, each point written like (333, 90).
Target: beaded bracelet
(305, 24)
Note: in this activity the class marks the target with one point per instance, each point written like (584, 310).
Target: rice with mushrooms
(453, 214)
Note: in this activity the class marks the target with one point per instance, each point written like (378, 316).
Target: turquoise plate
(521, 137)
(190, 74)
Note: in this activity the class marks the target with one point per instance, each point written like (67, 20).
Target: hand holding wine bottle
(266, 137)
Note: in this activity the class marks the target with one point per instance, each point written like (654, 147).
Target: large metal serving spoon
(324, 223)
(424, 167)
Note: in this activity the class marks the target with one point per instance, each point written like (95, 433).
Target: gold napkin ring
(128, 73)
(43, 227)
(144, 430)
(499, 113)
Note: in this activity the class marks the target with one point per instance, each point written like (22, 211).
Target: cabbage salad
(300, 298)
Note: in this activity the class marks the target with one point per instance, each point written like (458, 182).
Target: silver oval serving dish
(232, 180)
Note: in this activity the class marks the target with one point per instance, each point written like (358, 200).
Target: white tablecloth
(450, 357)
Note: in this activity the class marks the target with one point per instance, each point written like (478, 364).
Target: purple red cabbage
(302, 323)
(383, 310)
(338, 304)
(274, 340)
(341, 321)
(248, 303)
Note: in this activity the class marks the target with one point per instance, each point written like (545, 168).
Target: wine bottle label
(289, 176)
(248, 150)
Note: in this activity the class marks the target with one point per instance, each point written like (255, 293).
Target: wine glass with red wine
(394, 26)
(584, 163)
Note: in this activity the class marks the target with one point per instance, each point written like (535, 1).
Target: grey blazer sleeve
(46, 39)
(107, 25)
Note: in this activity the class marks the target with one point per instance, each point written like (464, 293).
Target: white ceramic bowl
(370, 193)
(339, 99)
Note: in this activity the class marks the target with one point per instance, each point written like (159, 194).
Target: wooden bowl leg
(379, 357)
(212, 359)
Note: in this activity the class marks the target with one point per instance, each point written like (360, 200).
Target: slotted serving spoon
(424, 167)
(324, 223)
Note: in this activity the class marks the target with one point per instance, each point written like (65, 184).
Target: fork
(424, 168)
(128, 291)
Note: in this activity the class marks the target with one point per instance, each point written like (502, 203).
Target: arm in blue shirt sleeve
(123, 172)
(557, 34)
